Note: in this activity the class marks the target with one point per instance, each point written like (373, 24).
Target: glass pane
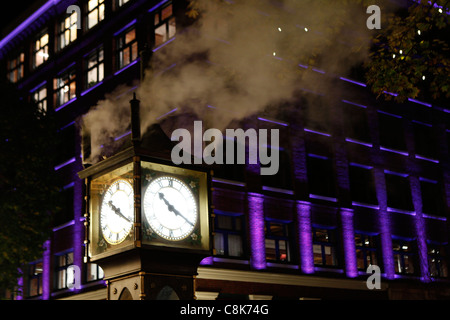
(130, 36)
(92, 4)
(271, 253)
(224, 222)
(219, 244)
(92, 18)
(166, 12)
(322, 235)
(235, 245)
(317, 249)
(284, 250)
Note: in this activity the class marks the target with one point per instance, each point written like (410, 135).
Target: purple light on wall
(348, 237)
(256, 225)
(354, 82)
(46, 271)
(305, 237)
(207, 261)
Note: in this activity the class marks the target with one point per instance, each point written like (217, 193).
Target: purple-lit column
(384, 224)
(305, 237)
(256, 230)
(348, 238)
(46, 272)
(420, 228)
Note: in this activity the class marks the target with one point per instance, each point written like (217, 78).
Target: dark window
(283, 178)
(362, 185)
(66, 213)
(366, 251)
(321, 176)
(433, 202)
(316, 113)
(277, 241)
(355, 123)
(230, 171)
(391, 131)
(325, 247)
(425, 144)
(405, 257)
(398, 192)
(229, 235)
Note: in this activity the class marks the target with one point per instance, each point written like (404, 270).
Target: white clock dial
(117, 212)
(170, 208)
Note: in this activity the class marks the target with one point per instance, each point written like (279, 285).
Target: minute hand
(172, 208)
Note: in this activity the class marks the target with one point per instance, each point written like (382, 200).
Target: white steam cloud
(239, 57)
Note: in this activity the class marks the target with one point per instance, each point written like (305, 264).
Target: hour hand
(117, 211)
(172, 208)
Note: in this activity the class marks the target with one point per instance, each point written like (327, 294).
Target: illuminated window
(366, 251)
(122, 2)
(40, 97)
(40, 49)
(95, 72)
(437, 261)
(127, 48)
(16, 68)
(324, 247)
(277, 241)
(65, 87)
(93, 272)
(65, 274)
(165, 25)
(68, 30)
(96, 12)
(35, 279)
(404, 257)
(229, 235)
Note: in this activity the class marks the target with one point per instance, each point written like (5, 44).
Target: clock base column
(148, 286)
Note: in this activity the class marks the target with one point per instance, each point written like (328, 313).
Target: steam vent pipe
(135, 120)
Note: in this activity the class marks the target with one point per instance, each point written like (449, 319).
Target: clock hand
(117, 211)
(172, 208)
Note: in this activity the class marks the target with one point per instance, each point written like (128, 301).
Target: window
(96, 12)
(425, 144)
(366, 251)
(40, 97)
(35, 279)
(16, 68)
(283, 178)
(355, 123)
(93, 272)
(229, 235)
(127, 48)
(437, 261)
(165, 25)
(404, 257)
(433, 201)
(321, 176)
(66, 213)
(324, 247)
(277, 241)
(67, 30)
(65, 87)
(64, 272)
(40, 49)
(398, 191)
(95, 71)
(391, 131)
(121, 2)
(362, 185)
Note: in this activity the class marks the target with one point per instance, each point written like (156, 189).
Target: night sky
(11, 10)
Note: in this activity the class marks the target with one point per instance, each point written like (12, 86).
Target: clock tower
(147, 221)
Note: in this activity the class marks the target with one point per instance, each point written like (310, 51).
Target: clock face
(170, 208)
(117, 212)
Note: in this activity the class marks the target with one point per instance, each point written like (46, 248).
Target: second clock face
(170, 208)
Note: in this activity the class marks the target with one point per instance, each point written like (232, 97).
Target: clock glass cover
(117, 212)
(170, 208)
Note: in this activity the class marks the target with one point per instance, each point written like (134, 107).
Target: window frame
(44, 48)
(284, 237)
(160, 21)
(234, 230)
(16, 68)
(97, 52)
(368, 250)
(122, 46)
(62, 270)
(34, 276)
(72, 30)
(66, 77)
(400, 264)
(99, 17)
(333, 244)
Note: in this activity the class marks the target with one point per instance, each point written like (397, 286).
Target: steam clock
(147, 221)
